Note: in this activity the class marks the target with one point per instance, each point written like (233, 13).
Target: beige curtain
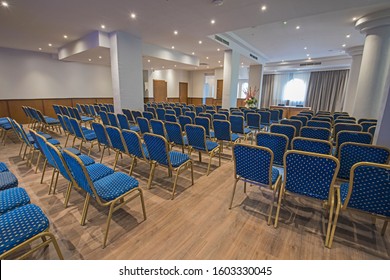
(267, 91)
(326, 90)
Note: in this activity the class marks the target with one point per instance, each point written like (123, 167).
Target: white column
(350, 95)
(126, 71)
(373, 85)
(382, 131)
(256, 79)
(230, 78)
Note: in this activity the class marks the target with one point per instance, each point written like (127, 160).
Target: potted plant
(250, 99)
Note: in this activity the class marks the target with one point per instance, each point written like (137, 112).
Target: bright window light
(294, 90)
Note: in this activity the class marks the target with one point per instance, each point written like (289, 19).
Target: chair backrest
(218, 116)
(265, 117)
(136, 114)
(274, 115)
(237, 123)
(56, 108)
(371, 130)
(92, 110)
(113, 120)
(205, 122)
(206, 115)
(148, 115)
(143, 124)
(367, 125)
(296, 123)
(307, 115)
(158, 127)
(321, 124)
(104, 117)
(97, 109)
(367, 120)
(101, 134)
(129, 115)
(190, 114)
(303, 119)
(160, 114)
(133, 143)
(286, 129)
(310, 174)
(312, 145)
(345, 126)
(184, 120)
(198, 110)
(174, 132)
(351, 153)
(115, 136)
(369, 188)
(170, 118)
(41, 142)
(59, 161)
(237, 113)
(170, 112)
(336, 115)
(68, 124)
(277, 143)
(210, 107)
(315, 133)
(157, 148)
(153, 111)
(222, 130)
(347, 118)
(123, 121)
(322, 119)
(196, 135)
(62, 122)
(178, 111)
(253, 120)
(344, 121)
(76, 128)
(253, 163)
(352, 136)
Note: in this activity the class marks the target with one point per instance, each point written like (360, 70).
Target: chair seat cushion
(114, 185)
(235, 137)
(86, 119)
(90, 136)
(97, 171)
(275, 175)
(178, 158)
(247, 130)
(54, 142)
(135, 128)
(86, 160)
(47, 136)
(6, 126)
(21, 224)
(211, 145)
(51, 120)
(13, 198)
(73, 151)
(3, 167)
(7, 180)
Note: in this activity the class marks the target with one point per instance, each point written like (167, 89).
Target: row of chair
(38, 121)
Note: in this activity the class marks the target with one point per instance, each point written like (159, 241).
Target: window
(242, 87)
(295, 90)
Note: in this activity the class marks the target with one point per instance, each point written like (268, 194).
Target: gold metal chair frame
(114, 205)
(82, 139)
(312, 140)
(273, 187)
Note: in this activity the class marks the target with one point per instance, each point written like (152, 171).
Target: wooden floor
(197, 224)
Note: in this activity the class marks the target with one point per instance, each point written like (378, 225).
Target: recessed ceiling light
(175, 32)
(307, 55)
(207, 57)
(212, 21)
(172, 47)
(219, 61)
(282, 60)
(242, 63)
(298, 27)
(89, 59)
(354, 18)
(348, 36)
(200, 42)
(40, 49)
(208, 67)
(284, 22)
(309, 58)
(305, 48)
(148, 60)
(100, 57)
(49, 44)
(133, 15)
(174, 65)
(163, 67)
(218, 50)
(343, 45)
(103, 26)
(65, 36)
(193, 53)
(221, 65)
(4, 4)
(264, 7)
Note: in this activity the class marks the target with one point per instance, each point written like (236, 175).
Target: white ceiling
(324, 24)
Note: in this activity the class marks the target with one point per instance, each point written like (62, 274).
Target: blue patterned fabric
(220, 117)
(253, 163)
(72, 150)
(344, 126)
(133, 144)
(59, 163)
(205, 123)
(148, 115)
(114, 134)
(143, 124)
(320, 124)
(265, 117)
(371, 190)
(157, 148)
(170, 118)
(296, 123)
(151, 110)
(371, 130)
(100, 133)
(312, 146)
(178, 111)
(86, 159)
(43, 147)
(222, 130)
(97, 171)
(284, 129)
(353, 153)
(3, 167)
(77, 172)
(174, 133)
(277, 144)
(136, 115)
(367, 125)
(253, 120)
(13, 198)
(196, 136)
(7, 180)
(178, 158)
(184, 120)
(104, 117)
(114, 185)
(315, 133)
(113, 120)
(123, 121)
(351, 136)
(274, 116)
(21, 224)
(237, 125)
(303, 119)
(192, 115)
(211, 145)
(158, 127)
(160, 114)
(309, 175)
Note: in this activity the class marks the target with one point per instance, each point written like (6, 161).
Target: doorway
(183, 92)
(160, 90)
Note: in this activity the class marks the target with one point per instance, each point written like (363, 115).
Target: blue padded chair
(80, 118)
(21, 227)
(113, 190)
(312, 145)
(3, 167)
(158, 127)
(253, 164)
(238, 127)
(368, 191)
(48, 121)
(170, 118)
(135, 148)
(253, 121)
(307, 115)
(104, 117)
(97, 110)
(199, 109)
(323, 118)
(129, 115)
(68, 132)
(103, 108)
(321, 124)
(362, 120)
(83, 134)
(111, 108)
(117, 142)
(277, 143)
(196, 135)
(367, 125)
(160, 114)
(7, 180)
(336, 115)
(371, 130)
(351, 153)
(218, 116)
(237, 113)
(303, 119)
(152, 111)
(316, 133)
(344, 121)
(184, 120)
(170, 112)
(5, 128)
(223, 132)
(101, 137)
(148, 115)
(206, 115)
(159, 154)
(347, 118)
(13, 198)
(274, 116)
(346, 126)
(113, 119)
(224, 112)
(205, 123)
(190, 114)
(296, 123)
(286, 129)
(310, 175)
(175, 135)
(124, 123)
(351, 136)
(210, 107)
(265, 118)
(143, 125)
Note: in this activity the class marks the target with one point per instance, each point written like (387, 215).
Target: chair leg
(56, 181)
(208, 167)
(67, 196)
(275, 190)
(90, 148)
(278, 208)
(67, 138)
(200, 157)
(244, 186)
(44, 169)
(142, 202)
(101, 158)
(108, 223)
(38, 160)
(25, 151)
(52, 180)
(175, 184)
(234, 190)
(192, 174)
(85, 209)
(384, 228)
(116, 159)
(330, 239)
(151, 174)
(21, 148)
(132, 166)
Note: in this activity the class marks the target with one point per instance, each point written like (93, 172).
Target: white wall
(172, 77)
(29, 75)
(197, 78)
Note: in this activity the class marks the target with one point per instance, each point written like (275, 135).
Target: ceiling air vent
(253, 56)
(310, 64)
(223, 41)
(203, 64)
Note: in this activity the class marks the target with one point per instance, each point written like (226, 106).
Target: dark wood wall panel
(17, 112)
(148, 99)
(83, 101)
(195, 100)
(48, 106)
(105, 100)
(173, 99)
(4, 108)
